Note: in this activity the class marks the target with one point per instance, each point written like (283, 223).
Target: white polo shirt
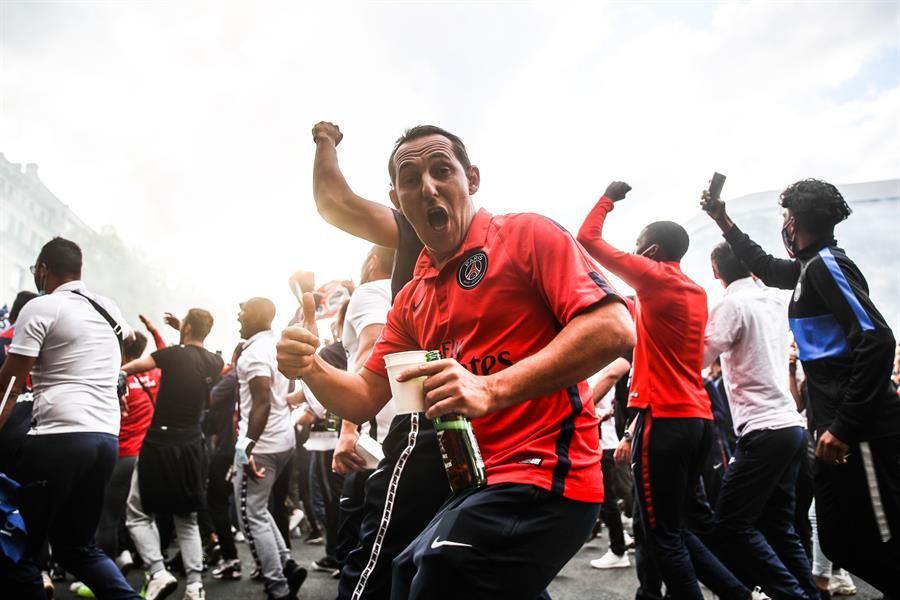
(78, 361)
(748, 329)
(369, 305)
(258, 360)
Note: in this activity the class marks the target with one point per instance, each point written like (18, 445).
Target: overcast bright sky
(186, 125)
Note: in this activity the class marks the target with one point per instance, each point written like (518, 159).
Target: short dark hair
(135, 348)
(459, 149)
(201, 322)
(728, 265)
(673, 240)
(385, 258)
(816, 205)
(22, 298)
(62, 257)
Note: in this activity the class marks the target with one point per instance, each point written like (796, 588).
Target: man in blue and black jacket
(847, 352)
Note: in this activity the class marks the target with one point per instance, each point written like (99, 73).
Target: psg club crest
(472, 270)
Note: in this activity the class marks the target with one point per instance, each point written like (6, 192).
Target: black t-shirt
(188, 375)
(408, 249)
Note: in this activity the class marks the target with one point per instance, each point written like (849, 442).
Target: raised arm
(774, 272)
(154, 332)
(337, 203)
(637, 271)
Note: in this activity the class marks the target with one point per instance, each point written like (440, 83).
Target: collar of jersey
(476, 237)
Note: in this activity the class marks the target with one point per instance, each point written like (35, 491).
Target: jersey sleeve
(32, 326)
(844, 292)
(722, 329)
(637, 271)
(774, 272)
(396, 336)
(556, 265)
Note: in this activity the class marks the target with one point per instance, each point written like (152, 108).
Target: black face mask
(789, 243)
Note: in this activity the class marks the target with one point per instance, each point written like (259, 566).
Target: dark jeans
(278, 501)
(71, 470)
(401, 497)
(755, 513)
(353, 505)
(111, 519)
(847, 525)
(326, 487)
(610, 513)
(667, 456)
(218, 492)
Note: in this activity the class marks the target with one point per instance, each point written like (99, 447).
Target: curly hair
(816, 205)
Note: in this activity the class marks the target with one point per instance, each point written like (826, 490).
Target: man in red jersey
(522, 317)
(673, 431)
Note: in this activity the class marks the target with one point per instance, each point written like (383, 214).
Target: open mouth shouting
(438, 218)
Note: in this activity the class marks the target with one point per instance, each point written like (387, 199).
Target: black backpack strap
(117, 329)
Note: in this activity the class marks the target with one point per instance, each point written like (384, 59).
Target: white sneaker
(48, 584)
(758, 594)
(295, 519)
(239, 537)
(160, 585)
(841, 584)
(611, 560)
(124, 561)
(195, 593)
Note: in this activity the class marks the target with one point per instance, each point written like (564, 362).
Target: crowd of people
(753, 447)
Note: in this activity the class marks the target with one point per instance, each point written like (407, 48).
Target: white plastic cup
(409, 397)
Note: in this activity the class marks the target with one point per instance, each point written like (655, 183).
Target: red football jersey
(516, 281)
(141, 399)
(670, 318)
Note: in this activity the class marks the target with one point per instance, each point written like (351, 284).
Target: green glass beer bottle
(459, 448)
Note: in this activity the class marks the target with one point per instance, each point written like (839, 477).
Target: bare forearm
(341, 207)
(259, 416)
(355, 397)
(584, 345)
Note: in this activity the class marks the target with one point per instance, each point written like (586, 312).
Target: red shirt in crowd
(670, 317)
(516, 281)
(141, 399)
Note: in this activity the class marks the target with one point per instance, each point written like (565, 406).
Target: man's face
(434, 192)
(246, 319)
(40, 276)
(645, 247)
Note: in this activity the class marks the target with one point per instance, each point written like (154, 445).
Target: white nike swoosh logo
(437, 543)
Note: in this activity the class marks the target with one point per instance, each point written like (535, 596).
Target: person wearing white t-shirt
(264, 447)
(754, 516)
(70, 340)
(603, 392)
(365, 318)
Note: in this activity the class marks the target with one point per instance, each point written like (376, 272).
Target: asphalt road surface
(577, 581)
